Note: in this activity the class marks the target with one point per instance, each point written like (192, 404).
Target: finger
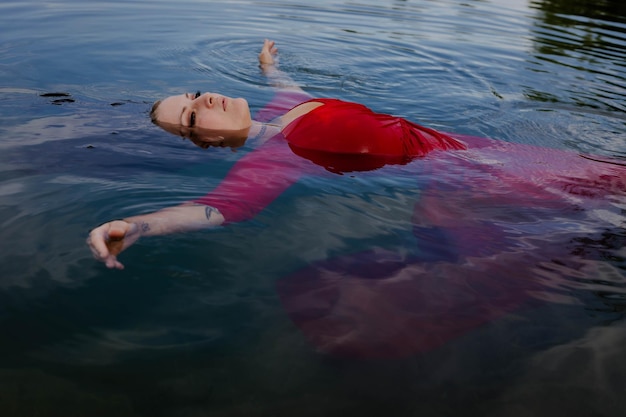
(97, 244)
(112, 263)
(268, 44)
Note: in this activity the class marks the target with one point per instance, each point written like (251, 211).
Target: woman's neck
(261, 132)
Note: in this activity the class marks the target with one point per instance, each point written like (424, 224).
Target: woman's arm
(110, 239)
(249, 187)
(268, 62)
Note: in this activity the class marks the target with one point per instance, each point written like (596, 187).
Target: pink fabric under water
(377, 304)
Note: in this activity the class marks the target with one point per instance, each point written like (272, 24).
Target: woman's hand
(110, 239)
(268, 51)
(268, 62)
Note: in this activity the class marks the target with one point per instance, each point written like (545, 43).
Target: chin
(244, 103)
(246, 110)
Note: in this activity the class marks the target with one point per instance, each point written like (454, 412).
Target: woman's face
(208, 111)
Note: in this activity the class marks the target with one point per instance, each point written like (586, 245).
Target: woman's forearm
(183, 218)
(269, 66)
(278, 78)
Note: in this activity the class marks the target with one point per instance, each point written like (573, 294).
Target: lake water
(195, 325)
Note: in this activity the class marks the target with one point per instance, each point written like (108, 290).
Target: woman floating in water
(490, 203)
(316, 127)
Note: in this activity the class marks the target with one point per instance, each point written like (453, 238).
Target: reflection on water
(590, 38)
(207, 323)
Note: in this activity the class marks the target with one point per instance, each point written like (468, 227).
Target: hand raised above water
(268, 51)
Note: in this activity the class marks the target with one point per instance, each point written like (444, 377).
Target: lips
(224, 104)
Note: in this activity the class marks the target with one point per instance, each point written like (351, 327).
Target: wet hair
(153, 116)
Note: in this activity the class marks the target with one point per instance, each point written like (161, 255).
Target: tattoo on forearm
(145, 227)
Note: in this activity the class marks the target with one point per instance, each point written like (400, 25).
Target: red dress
(490, 203)
(345, 128)
(339, 136)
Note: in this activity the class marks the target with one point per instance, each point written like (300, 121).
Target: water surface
(194, 325)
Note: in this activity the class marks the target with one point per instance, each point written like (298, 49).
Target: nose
(209, 99)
